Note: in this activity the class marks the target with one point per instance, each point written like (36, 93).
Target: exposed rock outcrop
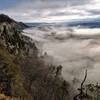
(12, 39)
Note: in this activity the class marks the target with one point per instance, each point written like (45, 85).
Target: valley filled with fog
(76, 49)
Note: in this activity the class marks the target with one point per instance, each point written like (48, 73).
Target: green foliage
(25, 73)
(11, 74)
(43, 82)
(30, 75)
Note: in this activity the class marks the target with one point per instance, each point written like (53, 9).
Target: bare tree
(81, 89)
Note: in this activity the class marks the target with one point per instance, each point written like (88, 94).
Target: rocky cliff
(12, 39)
(24, 75)
(13, 45)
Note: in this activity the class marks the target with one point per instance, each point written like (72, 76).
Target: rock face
(24, 75)
(12, 39)
(12, 45)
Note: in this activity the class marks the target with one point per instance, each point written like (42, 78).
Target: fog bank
(76, 49)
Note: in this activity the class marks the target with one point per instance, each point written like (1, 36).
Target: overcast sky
(50, 10)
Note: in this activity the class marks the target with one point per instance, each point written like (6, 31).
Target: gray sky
(50, 10)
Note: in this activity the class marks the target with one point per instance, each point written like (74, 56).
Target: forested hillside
(24, 75)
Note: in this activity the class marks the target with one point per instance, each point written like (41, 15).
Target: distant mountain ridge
(90, 23)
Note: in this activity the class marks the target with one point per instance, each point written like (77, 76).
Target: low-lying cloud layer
(75, 49)
(50, 10)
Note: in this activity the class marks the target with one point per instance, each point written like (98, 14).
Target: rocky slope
(24, 75)
(12, 39)
(13, 44)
